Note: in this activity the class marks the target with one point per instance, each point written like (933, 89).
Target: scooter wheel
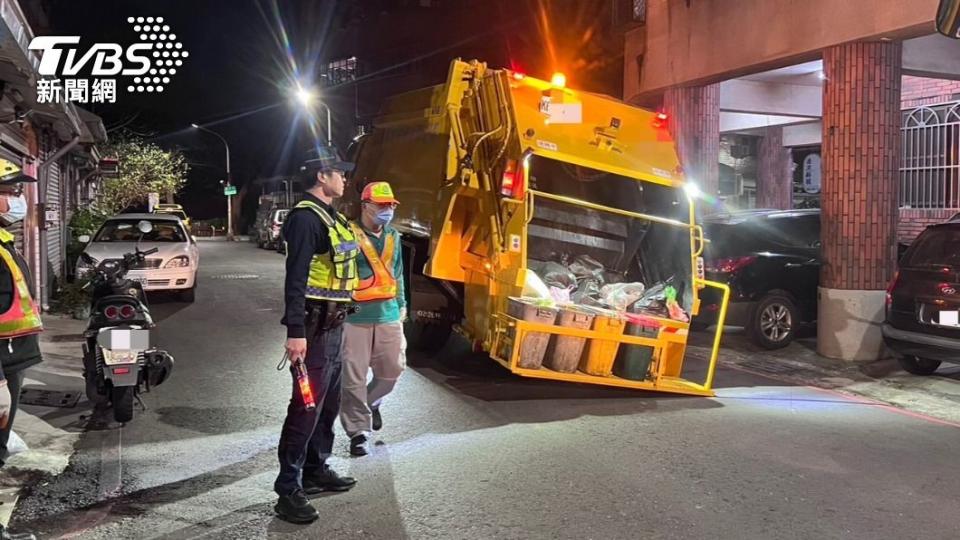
(122, 398)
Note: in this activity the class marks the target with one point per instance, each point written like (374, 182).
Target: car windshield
(939, 246)
(125, 230)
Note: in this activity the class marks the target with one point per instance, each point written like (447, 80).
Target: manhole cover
(237, 276)
(49, 398)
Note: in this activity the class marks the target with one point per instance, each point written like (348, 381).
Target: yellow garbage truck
(502, 177)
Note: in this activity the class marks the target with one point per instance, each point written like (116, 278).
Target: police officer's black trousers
(14, 384)
(307, 437)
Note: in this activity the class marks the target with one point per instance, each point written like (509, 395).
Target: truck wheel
(773, 324)
(122, 398)
(427, 337)
(918, 366)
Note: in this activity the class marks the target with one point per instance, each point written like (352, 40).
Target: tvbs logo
(72, 74)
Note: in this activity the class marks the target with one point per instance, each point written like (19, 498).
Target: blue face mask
(383, 216)
(17, 210)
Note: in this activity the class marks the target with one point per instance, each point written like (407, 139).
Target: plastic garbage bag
(620, 296)
(673, 307)
(534, 287)
(561, 296)
(16, 445)
(588, 293)
(557, 275)
(586, 267)
(654, 301)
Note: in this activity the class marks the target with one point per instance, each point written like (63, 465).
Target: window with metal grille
(341, 71)
(930, 157)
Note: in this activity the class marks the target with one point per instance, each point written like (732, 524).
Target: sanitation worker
(373, 336)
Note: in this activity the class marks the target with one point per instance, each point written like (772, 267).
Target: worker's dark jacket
(26, 350)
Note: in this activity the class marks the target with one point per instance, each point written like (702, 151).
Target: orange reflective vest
(382, 285)
(22, 318)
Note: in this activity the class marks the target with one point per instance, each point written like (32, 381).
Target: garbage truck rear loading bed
(501, 178)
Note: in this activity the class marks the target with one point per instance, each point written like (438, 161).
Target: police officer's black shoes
(326, 479)
(295, 508)
(358, 446)
(377, 419)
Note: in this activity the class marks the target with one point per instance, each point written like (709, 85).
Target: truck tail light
(729, 265)
(511, 183)
(660, 120)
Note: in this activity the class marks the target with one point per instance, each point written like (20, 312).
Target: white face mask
(17, 210)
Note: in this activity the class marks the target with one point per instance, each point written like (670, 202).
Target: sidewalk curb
(51, 436)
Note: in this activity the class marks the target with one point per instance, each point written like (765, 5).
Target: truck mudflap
(666, 366)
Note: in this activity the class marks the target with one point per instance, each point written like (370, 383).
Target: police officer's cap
(11, 173)
(323, 159)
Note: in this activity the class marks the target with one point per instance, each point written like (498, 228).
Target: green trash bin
(633, 361)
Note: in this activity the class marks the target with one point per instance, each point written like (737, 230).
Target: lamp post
(306, 97)
(229, 179)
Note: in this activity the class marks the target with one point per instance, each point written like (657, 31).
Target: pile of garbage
(584, 281)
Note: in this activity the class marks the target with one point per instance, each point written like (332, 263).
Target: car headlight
(178, 262)
(83, 267)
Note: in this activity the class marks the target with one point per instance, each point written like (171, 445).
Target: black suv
(771, 260)
(923, 301)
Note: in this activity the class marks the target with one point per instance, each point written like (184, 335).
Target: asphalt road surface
(470, 451)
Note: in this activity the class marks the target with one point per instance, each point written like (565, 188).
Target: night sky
(230, 74)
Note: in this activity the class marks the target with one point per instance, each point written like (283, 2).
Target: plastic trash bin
(633, 361)
(600, 354)
(565, 351)
(534, 344)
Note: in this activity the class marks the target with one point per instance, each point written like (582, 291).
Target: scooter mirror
(145, 226)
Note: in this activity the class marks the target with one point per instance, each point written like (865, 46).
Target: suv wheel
(774, 321)
(918, 366)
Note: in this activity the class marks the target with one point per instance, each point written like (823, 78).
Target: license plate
(949, 318)
(124, 339)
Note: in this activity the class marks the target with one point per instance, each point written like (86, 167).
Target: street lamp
(229, 179)
(306, 97)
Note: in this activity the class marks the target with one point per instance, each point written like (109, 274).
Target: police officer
(20, 324)
(321, 273)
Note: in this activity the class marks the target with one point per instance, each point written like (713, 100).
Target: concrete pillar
(695, 126)
(861, 155)
(774, 180)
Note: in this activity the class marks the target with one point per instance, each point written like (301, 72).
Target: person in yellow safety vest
(373, 336)
(321, 273)
(20, 323)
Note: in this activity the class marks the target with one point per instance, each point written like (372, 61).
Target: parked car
(268, 229)
(771, 260)
(174, 210)
(172, 268)
(923, 302)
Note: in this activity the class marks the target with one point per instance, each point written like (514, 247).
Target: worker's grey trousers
(377, 347)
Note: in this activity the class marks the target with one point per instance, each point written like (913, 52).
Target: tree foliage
(144, 168)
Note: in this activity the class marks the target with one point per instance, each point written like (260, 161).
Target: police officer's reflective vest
(333, 276)
(382, 285)
(22, 318)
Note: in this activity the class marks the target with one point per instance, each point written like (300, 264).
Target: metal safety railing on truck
(672, 334)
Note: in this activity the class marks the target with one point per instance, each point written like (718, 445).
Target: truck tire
(918, 366)
(427, 337)
(774, 322)
(122, 399)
